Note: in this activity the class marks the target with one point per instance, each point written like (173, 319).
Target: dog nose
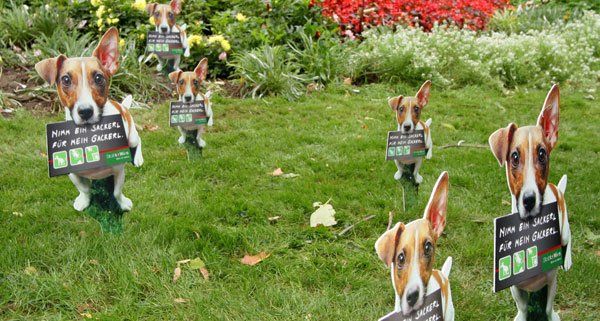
(187, 98)
(85, 112)
(529, 201)
(406, 128)
(412, 298)
(164, 29)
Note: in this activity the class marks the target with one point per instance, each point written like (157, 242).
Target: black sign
(183, 114)
(526, 248)
(405, 146)
(431, 310)
(164, 45)
(73, 148)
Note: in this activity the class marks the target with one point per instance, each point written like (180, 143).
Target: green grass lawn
(217, 208)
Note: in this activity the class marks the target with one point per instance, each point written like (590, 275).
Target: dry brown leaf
(30, 270)
(204, 272)
(151, 127)
(274, 218)
(348, 81)
(176, 274)
(277, 172)
(324, 215)
(505, 202)
(254, 259)
(181, 300)
(598, 253)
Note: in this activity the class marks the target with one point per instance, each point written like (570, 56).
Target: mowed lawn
(57, 264)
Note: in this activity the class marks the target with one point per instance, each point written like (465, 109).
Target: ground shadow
(409, 188)
(104, 207)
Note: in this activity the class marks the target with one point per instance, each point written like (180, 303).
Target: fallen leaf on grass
(277, 172)
(274, 218)
(290, 175)
(254, 259)
(324, 215)
(151, 128)
(30, 270)
(598, 253)
(181, 300)
(176, 274)
(86, 315)
(347, 81)
(505, 202)
(18, 214)
(449, 126)
(196, 264)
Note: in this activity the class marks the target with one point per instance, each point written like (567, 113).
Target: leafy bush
(15, 23)
(452, 57)
(266, 71)
(320, 60)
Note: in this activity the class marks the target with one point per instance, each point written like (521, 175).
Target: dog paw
(201, 143)
(181, 139)
(429, 154)
(568, 261)
(398, 175)
(554, 316)
(210, 122)
(81, 202)
(138, 159)
(418, 178)
(187, 52)
(125, 203)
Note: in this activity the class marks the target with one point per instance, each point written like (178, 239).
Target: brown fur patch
(444, 284)
(560, 200)
(73, 68)
(125, 115)
(188, 78)
(527, 141)
(408, 106)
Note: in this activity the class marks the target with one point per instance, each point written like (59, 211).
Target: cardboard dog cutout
(409, 252)
(525, 152)
(168, 40)
(412, 141)
(99, 136)
(193, 111)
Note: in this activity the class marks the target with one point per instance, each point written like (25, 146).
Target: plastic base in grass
(192, 149)
(104, 207)
(409, 187)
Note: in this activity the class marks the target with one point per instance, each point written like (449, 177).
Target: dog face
(188, 83)
(164, 14)
(408, 109)
(83, 83)
(410, 249)
(526, 153)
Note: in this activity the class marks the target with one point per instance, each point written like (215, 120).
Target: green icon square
(391, 151)
(59, 159)
(174, 119)
(188, 118)
(504, 270)
(92, 154)
(532, 257)
(399, 151)
(76, 156)
(406, 150)
(151, 47)
(519, 262)
(165, 47)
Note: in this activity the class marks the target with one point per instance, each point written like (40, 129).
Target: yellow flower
(194, 40)
(100, 22)
(151, 20)
(139, 5)
(100, 11)
(121, 43)
(112, 21)
(225, 45)
(215, 38)
(142, 36)
(96, 3)
(240, 17)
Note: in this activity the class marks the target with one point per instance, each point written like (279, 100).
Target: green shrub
(268, 71)
(321, 60)
(16, 25)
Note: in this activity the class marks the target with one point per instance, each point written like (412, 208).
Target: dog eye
(157, 14)
(401, 259)
(514, 159)
(181, 81)
(66, 80)
(99, 79)
(171, 15)
(542, 156)
(401, 109)
(428, 248)
(416, 109)
(196, 82)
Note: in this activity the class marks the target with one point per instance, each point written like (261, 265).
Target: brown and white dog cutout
(409, 251)
(165, 16)
(408, 115)
(83, 88)
(188, 89)
(525, 152)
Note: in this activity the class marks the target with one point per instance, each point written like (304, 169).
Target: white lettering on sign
(544, 219)
(538, 235)
(107, 126)
(105, 137)
(505, 246)
(80, 130)
(79, 141)
(58, 144)
(523, 240)
(506, 231)
(423, 311)
(60, 132)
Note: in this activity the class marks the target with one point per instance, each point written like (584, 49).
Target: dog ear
(174, 76)
(423, 94)
(151, 7)
(395, 102)
(202, 69)
(176, 6)
(385, 246)
(549, 116)
(48, 68)
(435, 212)
(107, 51)
(500, 142)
